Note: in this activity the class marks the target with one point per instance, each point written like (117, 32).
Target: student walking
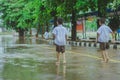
(60, 38)
(103, 34)
(46, 35)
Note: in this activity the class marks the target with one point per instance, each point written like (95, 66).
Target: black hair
(60, 21)
(102, 20)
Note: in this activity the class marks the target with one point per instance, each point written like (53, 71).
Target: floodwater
(34, 59)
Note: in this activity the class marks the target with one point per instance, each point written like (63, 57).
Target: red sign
(79, 26)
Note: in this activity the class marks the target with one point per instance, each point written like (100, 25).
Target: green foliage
(86, 5)
(23, 13)
(31, 13)
(115, 4)
(91, 25)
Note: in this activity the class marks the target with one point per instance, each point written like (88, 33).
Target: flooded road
(34, 59)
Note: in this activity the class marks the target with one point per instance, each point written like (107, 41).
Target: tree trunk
(21, 33)
(99, 13)
(30, 32)
(73, 35)
(47, 26)
(55, 21)
(101, 9)
(21, 36)
(53, 14)
(38, 29)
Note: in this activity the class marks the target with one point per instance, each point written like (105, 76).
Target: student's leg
(58, 53)
(58, 57)
(102, 51)
(64, 58)
(106, 52)
(63, 53)
(103, 55)
(106, 56)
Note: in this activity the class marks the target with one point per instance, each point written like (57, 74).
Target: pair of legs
(58, 57)
(105, 56)
(104, 52)
(60, 49)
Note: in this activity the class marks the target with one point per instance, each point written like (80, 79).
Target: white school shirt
(46, 35)
(60, 33)
(104, 32)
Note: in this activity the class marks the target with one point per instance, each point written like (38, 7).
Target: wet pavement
(34, 59)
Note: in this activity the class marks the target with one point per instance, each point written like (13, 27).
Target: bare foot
(57, 63)
(107, 60)
(64, 62)
(102, 61)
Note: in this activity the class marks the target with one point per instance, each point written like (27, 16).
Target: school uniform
(103, 38)
(60, 33)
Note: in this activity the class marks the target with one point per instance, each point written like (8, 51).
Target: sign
(79, 26)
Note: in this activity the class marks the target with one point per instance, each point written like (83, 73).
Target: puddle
(35, 60)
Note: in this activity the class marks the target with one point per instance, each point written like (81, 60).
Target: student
(60, 38)
(103, 38)
(46, 35)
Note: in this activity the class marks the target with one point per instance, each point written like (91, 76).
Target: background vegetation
(22, 15)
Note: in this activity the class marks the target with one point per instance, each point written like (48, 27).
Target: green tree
(74, 7)
(12, 12)
(114, 21)
(21, 15)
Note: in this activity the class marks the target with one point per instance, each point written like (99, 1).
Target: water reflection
(26, 69)
(26, 61)
(30, 41)
(11, 66)
(1, 46)
(60, 72)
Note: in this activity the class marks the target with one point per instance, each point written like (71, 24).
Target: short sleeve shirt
(46, 35)
(60, 33)
(104, 32)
